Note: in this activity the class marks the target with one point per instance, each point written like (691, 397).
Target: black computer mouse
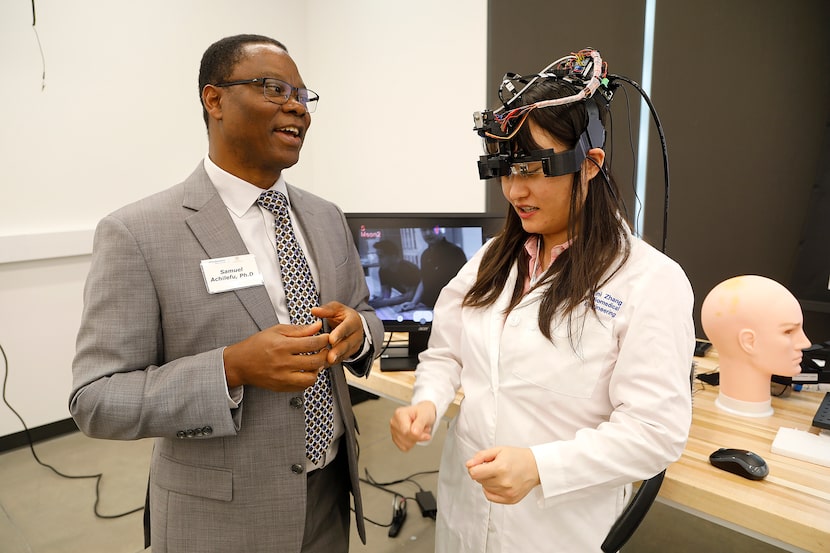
(741, 462)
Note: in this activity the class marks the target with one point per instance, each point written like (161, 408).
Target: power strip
(822, 418)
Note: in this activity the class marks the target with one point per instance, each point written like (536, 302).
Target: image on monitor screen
(407, 260)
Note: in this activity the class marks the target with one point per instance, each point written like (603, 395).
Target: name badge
(231, 273)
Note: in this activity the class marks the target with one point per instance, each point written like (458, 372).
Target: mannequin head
(755, 325)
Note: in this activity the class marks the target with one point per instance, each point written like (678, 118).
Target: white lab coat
(615, 411)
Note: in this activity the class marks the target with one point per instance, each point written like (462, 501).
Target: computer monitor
(407, 259)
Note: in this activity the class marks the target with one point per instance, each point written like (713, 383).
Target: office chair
(634, 513)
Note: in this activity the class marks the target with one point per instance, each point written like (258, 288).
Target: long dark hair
(596, 228)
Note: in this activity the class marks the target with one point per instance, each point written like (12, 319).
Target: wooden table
(791, 505)
(396, 386)
(790, 508)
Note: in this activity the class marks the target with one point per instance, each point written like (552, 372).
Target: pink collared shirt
(535, 270)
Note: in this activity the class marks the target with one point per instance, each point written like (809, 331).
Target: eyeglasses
(524, 169)
(279, 92)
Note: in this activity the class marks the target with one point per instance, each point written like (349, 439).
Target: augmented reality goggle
(584, 70)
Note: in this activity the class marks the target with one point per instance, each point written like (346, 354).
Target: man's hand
(412, 424)
(346, 335)
(507, 474)
(283, 358)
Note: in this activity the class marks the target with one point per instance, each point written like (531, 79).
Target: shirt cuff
(367, 342)
(235, 395)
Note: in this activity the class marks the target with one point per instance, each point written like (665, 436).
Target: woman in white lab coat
(572, 341)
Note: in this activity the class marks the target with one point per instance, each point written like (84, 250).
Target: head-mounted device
(584, 70)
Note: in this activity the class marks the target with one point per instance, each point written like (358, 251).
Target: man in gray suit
(185, 334)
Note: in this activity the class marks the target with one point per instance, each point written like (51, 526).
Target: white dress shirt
(256, 227)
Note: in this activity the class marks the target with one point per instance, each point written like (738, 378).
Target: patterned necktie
(301, 296)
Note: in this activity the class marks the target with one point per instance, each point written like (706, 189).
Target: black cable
(387, 343)
(370, 480)
(42, 57)
(662, 145)
(638, 205)
(395, 495)
(382, 486)
(376, 523)
(609, 155)
(97, 477)
(421, 473)
(607, 180)
(387, 490)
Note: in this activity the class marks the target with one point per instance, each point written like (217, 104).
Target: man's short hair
(221, 57)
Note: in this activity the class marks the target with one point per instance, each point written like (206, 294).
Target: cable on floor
(97, 477)
(423, 498)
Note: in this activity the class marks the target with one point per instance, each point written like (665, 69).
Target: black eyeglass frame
(312, 97)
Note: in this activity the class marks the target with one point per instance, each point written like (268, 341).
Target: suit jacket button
(189, 433)
(296, 402)
(180, 434)
(207, 431)
(197, 432)
(297, 468)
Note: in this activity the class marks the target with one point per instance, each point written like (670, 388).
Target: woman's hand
(507, 474)
(412, 424)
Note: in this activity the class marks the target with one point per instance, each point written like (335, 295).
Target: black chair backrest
(634, 513)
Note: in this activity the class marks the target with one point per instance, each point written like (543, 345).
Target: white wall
(119, 119)
(399, 82)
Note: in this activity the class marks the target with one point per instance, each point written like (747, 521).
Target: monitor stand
(417, 343)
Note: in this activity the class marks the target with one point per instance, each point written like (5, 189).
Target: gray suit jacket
(149, 364)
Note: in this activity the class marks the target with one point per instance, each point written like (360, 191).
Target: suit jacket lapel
(312, 224)
(215, 231)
